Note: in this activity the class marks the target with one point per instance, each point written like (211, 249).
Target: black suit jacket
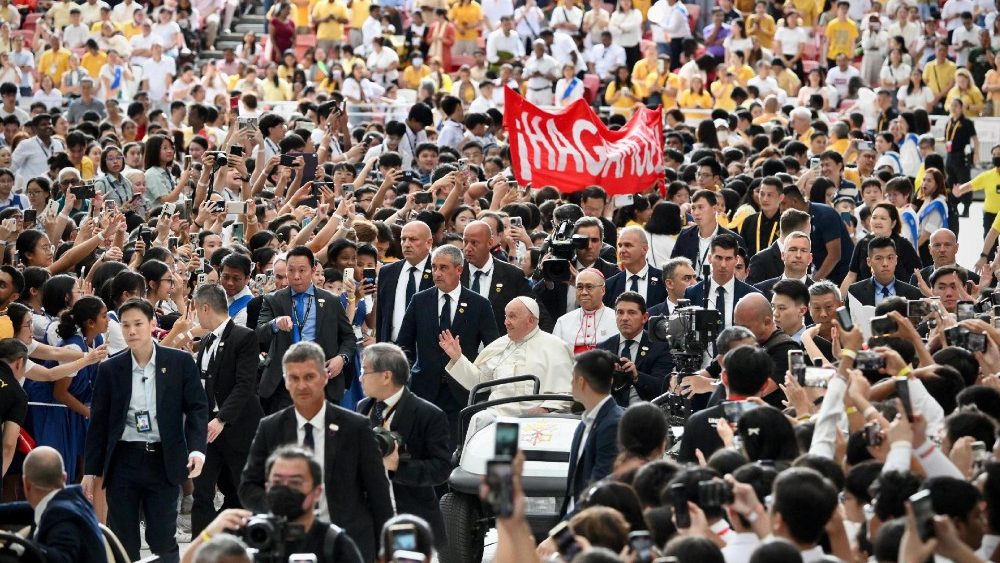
(68, 531)
(472, 320)
(653, 363)
(765, 265)
(507, 282)
(696, 294)
(553, 299)
(333, 333)
(864, 291)
(385, 304)
(233, 376)
(357, 492)
(599, 452)
(700, 433)
(656, 291)
(427, 463)
(687, 243)
(926, 272)
(181, 411)
(767, 286)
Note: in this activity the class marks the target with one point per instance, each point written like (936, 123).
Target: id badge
(142, 422)
(947, 146)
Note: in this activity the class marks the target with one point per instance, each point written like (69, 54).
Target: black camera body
(387, 440)
(962, 337)
(563, 244)
(269, 535)
(689, 331)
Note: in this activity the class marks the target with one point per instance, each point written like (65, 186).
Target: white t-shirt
(156, 74)
(74, 36)
(915, 100)
(790, 39)
(167, 32)
(840, 78)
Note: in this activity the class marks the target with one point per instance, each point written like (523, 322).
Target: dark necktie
(411, 285)
(206, 346)
(444, 323)
(635, 283)
(885, 292)
(475, 280)
(720, 303)
(378, 413)
(627, 350)
(299, 313)
(307, 439)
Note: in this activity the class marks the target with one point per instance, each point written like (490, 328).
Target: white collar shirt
(453, 297)
(42, 505)
(206, 358)
(729, 288)
(643, 280)
(318, 424)
(399, 303)
(485, 276)
(143, 400)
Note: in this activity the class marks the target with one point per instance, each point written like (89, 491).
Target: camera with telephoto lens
(562, 243)
(387, 440)
(269, 535)
(689, 332)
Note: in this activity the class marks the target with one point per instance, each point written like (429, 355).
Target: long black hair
(85, 309)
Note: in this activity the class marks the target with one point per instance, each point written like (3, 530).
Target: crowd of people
(214, 304)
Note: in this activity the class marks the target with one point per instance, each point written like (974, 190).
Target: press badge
(142, 421)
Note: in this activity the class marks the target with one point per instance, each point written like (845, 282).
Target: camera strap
(330, 542)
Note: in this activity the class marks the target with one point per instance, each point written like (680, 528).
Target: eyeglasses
(167, 280)
(116, 158)
(588, 287)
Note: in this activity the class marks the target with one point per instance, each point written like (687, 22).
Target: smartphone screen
(500, 480)
(507, 436)
(844, 317)
(923, 512)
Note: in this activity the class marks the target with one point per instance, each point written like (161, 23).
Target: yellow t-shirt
(742, 74)
(788, 81)
(852, 175)
(93, 62)
(86, 168)
(130, 30)
(841, 36)
(809, 10)
(723, 94)
(466, 14)
(96, 27)
(989, 183)
(301, 12)
(765, 31)
(54, 64)
(690, 100)
(645, 76)
(359, 13)
(332, 30)
(938, 75)
(622, 105)
(972, 100)
(271, 93)
(412, 76)
(60, 14)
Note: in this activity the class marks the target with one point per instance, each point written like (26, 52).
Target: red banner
(572, 149)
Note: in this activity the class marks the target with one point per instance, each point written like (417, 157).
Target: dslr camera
(387, 440)
(269, 535)
(563, 244)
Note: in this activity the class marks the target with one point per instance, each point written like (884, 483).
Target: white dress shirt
(453, 303)
(206, 358)
(318, 423)
(42, 505)
(704, 244)
(485, 279)
(547, 65)
(588, 424)
(241, 316)
(31, 159)
(643, 280)
(493, 10)
(399, 303)
(143, 400)
(730, 287)
(606, 59)
(498, 41)
(452, 133)
(390, 406)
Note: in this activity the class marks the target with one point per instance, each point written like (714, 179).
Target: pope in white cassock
(524, 350)
(592, 323)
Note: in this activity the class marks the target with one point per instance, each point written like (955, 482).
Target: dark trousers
(223, 466)
(676, 48)
(139, 480)
(988, 219)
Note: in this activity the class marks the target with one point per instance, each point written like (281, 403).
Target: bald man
(754, 312)
(943, 246)
(524, 350)
(399, 281)
(637, 275)
(64, 522)
(494, 279)
(592, 323)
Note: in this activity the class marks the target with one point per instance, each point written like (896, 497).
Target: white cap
(721, 123)
(530, 304)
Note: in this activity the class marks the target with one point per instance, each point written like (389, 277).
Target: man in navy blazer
(647, 362)
(723, 289)
(637, 275)
(494, 279)
(67, 530)
(446, 307)
(400, 281)
(693, 242)
(595, 443)
(148, 430)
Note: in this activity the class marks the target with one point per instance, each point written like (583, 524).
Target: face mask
(996, 161)
(285, 501)
(723, 138)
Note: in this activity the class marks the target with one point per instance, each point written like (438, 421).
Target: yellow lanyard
(770, 239)
(950, 131)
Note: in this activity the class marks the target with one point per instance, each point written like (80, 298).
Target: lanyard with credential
(951, 129)
(301, 324)
(145, 389)
(770, 238)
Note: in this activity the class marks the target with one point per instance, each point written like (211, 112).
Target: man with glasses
(31, 157)
(584, 328)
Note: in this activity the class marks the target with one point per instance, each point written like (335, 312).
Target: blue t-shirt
(827, 226)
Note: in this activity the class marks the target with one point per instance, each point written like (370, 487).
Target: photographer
(294, 486)
(420, 459)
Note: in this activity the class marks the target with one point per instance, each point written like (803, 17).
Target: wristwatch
(344, 357)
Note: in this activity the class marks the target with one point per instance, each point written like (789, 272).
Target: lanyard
(48, 152)
(145, 388)
(770, 238)
(301, 324)
(951, 129)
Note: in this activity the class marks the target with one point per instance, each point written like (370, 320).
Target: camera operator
(647, 363)
(294, 487)
(426, 460)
